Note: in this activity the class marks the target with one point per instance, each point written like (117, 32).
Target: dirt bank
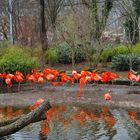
(122, 96)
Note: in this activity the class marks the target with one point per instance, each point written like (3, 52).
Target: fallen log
(36, 115)
(9, 121)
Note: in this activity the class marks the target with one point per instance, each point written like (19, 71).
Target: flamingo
(107, 96)
(138, 78)
(10, 76)
(8, 82)
(32, 79)
(50, 77)
(95, 77)
(40, 80)
(75, 75)
(133, 77)
(83, 81)
(37, 103)
(85, 78)
(65, 78)
(108, 76)
(8, 79)
(19, 78)
(1, 78)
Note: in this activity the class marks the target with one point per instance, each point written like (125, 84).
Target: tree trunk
(34, 116)
(132, 30)
(43, 36)
(99, 20)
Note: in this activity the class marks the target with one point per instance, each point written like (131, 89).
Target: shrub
(52, 56)
(3, 45)
(121, 62)
(64, 53)
(34, 51)
(109, 53)
(106, 55)
(136, 49)
(121, 49)
(79, 55)
(16, 59)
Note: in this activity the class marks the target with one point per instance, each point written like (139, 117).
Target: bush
(109, 53)
(52, 56)
(3, 45)
(16, 59)
(121, 62)
(136, 49)
(64, 53)
(79, 55)
(106, 55)
(121, 49)
(34, 51)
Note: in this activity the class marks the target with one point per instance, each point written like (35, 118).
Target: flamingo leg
(18, 87)
(81, 87)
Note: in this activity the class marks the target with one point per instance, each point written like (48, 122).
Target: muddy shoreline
(93, 95)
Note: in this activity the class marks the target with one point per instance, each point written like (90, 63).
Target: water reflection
(79, 123)
(10, 112)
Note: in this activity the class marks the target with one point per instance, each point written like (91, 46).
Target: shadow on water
(78, 123)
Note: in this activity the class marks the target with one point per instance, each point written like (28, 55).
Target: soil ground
(122, 96)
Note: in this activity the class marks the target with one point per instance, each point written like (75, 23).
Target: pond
(79, 123)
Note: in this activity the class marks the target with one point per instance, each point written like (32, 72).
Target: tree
(4, 22)
(26, 22)
(69, 34)
(99, 15)
(130, 11)
(43, 30)
(53, 8)
(136, 5)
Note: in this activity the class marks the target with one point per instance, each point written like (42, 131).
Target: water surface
(79, 123)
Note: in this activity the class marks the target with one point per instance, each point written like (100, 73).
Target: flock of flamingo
(56, 78)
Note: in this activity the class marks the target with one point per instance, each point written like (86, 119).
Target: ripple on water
(78, 123)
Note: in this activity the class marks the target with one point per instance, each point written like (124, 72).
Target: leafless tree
(100, 11)
(4, 22)
(130, 24)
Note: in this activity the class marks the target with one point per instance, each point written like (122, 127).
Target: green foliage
(16, 59)
(52, 56)
(64, 53)
(136, 4)
(3, 45)
(107, 55)
(79, 55)
(136, 49)
(121, 62)
(35, 51)
(121, 49)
